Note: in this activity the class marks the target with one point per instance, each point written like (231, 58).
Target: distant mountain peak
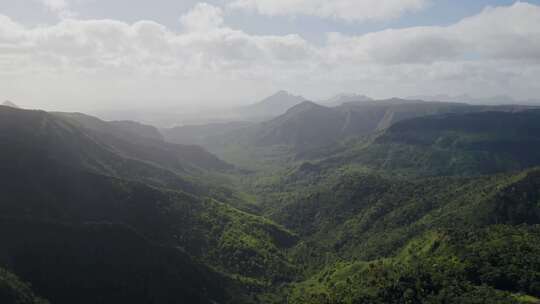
(305, 105)
(342, 98)
(274, 105)
(10, 104)
(282, 94)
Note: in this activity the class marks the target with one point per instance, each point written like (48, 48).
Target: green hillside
(59, 179)
(466, 144)
(308, 127)
(93, 262)
(364, 238)
(431, 204)
(370, 198)
(13, 290)
(498, 264)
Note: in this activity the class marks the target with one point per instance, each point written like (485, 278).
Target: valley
(369, 201)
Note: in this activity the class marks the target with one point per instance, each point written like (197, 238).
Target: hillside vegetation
(61, 180)
(370, 202)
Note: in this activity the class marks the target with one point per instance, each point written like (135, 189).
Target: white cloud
(86, 60)
(506, 33)
(350, 10)
(202, 17)
(503, 32)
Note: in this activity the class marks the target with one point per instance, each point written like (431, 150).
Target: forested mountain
(374, 202)
(146, 143)
(449, 144)
(132, 130)
(329, 125)
(308, 126)
(13, 290)
(66, 193)
(271, 106)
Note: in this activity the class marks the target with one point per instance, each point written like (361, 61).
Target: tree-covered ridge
(365, 215)
(13, 290)
(452, 144)
(308, 126)
(436, 209)
(348, 211)
(57, 172)
(498, 264)
(145, 143)
(94, 262)
(235, 243)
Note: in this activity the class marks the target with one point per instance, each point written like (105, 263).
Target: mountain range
(493, 100)
(365, 201)
(91, 189)
(308, 125)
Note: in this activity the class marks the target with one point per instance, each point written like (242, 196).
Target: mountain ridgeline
(358, 201)
(271, 106)
(308, 125)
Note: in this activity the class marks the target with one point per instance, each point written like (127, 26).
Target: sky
(112, 54)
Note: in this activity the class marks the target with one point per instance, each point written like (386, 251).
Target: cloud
(202, 17)
(92, 59)
(504, 33)
(349, 10)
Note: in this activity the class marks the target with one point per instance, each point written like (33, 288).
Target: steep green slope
(240, 245)
(307, 127)
(14, 291)
(366, 199)
(434, 209)
(303, 126)
(357, 227)
(358, 215)
(54, 171)
(101, 148)
(145, 143)
(499, 264)
(132, 130)
(96, 262)
(467, 144)
(36, 135)
(349, 220)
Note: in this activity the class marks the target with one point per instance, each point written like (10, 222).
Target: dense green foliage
(364, 203)
(13, 290)
(494, 265)
(466, 144)
(96, 262)
(55, 172)
(435, 209)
